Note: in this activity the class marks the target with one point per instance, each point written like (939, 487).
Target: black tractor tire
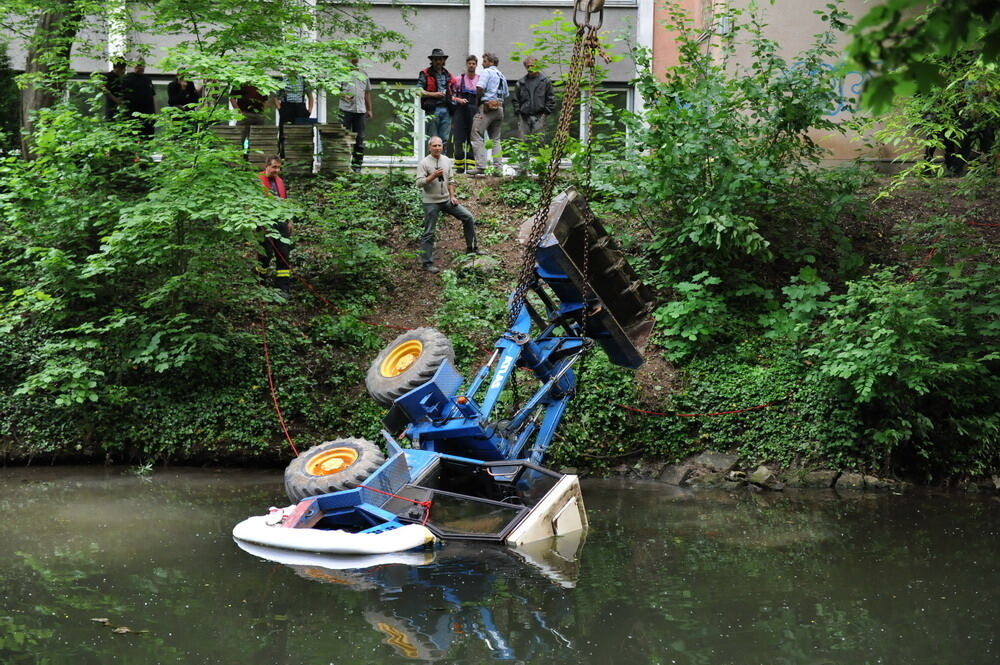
(331, 466)
(410, 360)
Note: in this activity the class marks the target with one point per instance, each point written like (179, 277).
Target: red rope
(697, 415)
(930, 255)
(426, 505)
(981, 224)
(270, 379)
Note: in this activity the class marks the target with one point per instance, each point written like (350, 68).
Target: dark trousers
(431, 213)
(461, 134)
(292, 111)
(274, 248)
(289, 113)
(355, 122)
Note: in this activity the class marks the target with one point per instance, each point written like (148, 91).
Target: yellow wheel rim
(331, 461)
(400, 358)
(398, 640)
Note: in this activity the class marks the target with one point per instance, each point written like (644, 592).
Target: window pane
(605, 110)
(612, 99)
(390, 131)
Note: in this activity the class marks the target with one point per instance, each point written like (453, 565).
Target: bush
(723, 172)
(919, 359)
(135, 288)
(807, 423)
(598, 432)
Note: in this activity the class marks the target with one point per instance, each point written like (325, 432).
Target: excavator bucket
(581, 262)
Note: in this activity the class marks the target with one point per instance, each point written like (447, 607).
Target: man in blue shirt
(491, 90)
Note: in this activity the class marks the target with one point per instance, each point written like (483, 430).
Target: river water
(101, 566)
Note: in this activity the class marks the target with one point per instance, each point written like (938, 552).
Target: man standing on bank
(491, 90)
(434, 176)
(296, 100)
(114, 90)
(435, 95)
(463, 94)
(140, 98)
(534, 100)
(356, 111)
(278, 248)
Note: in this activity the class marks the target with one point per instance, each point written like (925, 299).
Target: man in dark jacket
(533, 100)
(140, 97)
(114, 90)
(182, 93)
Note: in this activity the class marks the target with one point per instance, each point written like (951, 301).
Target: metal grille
(390, 479)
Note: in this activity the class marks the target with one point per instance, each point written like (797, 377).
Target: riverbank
(761, 380)
(711, 470)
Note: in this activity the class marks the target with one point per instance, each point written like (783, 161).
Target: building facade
(505, 27)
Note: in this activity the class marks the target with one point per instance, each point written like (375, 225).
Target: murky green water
(662, 578)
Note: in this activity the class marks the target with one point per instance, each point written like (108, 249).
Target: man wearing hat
(435, 96)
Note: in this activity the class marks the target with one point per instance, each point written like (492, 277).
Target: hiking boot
(478, 173)
(431, 268)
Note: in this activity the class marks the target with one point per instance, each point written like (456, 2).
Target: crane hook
(584, 10)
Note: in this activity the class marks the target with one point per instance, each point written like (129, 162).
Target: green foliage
(694, 317)
(807, 421)
(350, 244)
(724, 175)
(130, 263)
(725, 145)
(133, 285)
(598, 432)
(801, 308)
(919, 359)
(955, 118)
(129, 255)
(906, 43)
(519, 192)
(470, 314)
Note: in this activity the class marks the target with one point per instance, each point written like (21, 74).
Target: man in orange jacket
(277, 248)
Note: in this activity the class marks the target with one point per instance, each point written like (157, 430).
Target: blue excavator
(464, 456)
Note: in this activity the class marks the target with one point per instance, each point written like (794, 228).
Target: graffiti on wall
(848, 87)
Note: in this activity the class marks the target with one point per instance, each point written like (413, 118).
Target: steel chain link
(585, 36)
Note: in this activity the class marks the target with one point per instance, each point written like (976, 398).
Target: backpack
(503, 90)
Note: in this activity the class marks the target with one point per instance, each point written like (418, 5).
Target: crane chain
(583, 54)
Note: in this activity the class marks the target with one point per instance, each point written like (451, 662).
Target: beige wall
(431, 27)
(87, 57)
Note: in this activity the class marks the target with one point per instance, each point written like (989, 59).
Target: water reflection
(427, 605)
(702, 579)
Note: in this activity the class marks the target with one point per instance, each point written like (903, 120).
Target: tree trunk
(47, 66)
